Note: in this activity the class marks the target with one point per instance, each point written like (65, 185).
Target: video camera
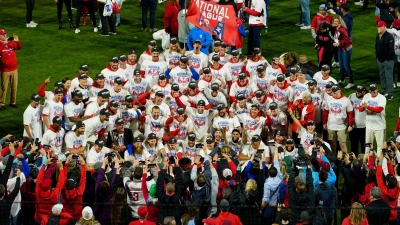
(302, 159)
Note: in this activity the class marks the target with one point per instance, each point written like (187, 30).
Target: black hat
(104, 112)
(79, 124)
(242, 76)
(82, 76)
(280, 77)
(256, 138)
(58, 84)
(192, 136)
(201, 103)
(114, 59)
(104, 93)
(312, 82)
(99, 142)
(256, 50)
(113, 103)
(335, 87)
(35, 97)
(100, 76)
(294, 69)
(240, 96)
(260, 68)
(162, 76)
(183, 59)
(303, 70)
(373, 87)
(119, 121)
(131, 52)
(173, 40)
(118, 80)
(215, 86)
(329, 84)
(136, 72)
(180, 111)
(84, 67)
(224, 45)
(77, 93)
(235, 52)
(137, 139)
(325, 67)
(122, 58)
(58, 91)
(217, 43)
(152, 43)
(175, 87)
(310, 122)
(361, 88)
(215, 57)
(221, 106)
(259, 93)
(210, 140)
(197, 41)
(192, 85)
(281, 133)
(206, 70)
(152, 136)
(273, 105)
(160, 93)
(289, 141)
(255, 106)
(171, 140)
(129, 98)
(57, 119)
(154, 50)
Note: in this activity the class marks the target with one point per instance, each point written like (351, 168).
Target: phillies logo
(199, 121)
(274, 121)
(77, 112)
(126, 117)
(335, 111)
(183, 80)
(262, 84)
(137, 90)
(182, 132)
(77, 144)
(173, 106)
(251, 125)
(315, 101)
(195, 62)
(279, 96)
(98, 129)
(57, 111)
(38, 116)
(152, 152)
(174, 62)
(307, 143)
(191, 152)
(58, 141)
(153, 73)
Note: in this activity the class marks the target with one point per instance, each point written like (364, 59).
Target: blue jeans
(146, 4)
(344, 61)
(254, 38)
(267, 11)
(305, 12)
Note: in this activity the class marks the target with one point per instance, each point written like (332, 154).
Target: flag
(219, 20)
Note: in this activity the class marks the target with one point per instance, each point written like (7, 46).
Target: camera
(75, 156)
(367, 145)
(222, 141)
(199, 145)
(54, 158)
(47, 147)
(302, 159)
(142, 163)
(388, 144)
(152, 165)
(384, 151)
(280, 149)
(271, 144)
(171, 160)
(351, 156)
(110, 156)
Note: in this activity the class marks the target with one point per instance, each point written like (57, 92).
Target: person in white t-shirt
(33, 119)
(83, 69)
(96, 126)
(75, 140)
(98, 85)
(317, 102)
(173, 53)
(93, 108)
(338, 118)
(155, 123)
(132, 60)
(323, 77)
(262, 100)
(117, 93)
(82, 86)
(157, 101)
(54, 136)
(374, 104)
(113, 71)
(357, 136)
(224, 57)
(182, 74)
(223, 121)
(53, 108)
(151, 69)
(240, 108)
(306, 133)
(294, 70)
(215, 96)
(138, 152)
(73, 110)
(241, 86)
(136, 85)
(260, 81)
(172, 149)
(234, 65)
(96, 154)
(181, 125)
(48, 95)
(275, 68)
(126, 70)
(197, 58)
(255, 145)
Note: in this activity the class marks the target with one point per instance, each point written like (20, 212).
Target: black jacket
(384, 47)
(6, 173)
(128, 139)
(378, 212)
(354, 182)
(7, 201)
(328, 195)
(300, 202)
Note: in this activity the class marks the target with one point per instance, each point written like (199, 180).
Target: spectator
(169, 220)
(57, 216)
(226, 215)
(378, 211)
(326, 195)
(358, 216)
(198, 35)
(202, 190)
(321, 17)
(89, 4)
(171, 17)
(184, 26)
(257, 20)
(150, 194)
(133, 183)
(344, 12)
(152, 6)
(107, 22)
(28, 197)
(7, 200)
(119, 207)
(8, 67)
(324, 46)
(142, 212)
(87, 217)
(30, 4)
(385, 56)
(386, 11)
(191, 215)
(304, 6)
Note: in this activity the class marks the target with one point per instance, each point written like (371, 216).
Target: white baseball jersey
(198, 61)
(259, 6)
(73, 141)
(375, 121)
(54, 139)
(234, 69)
(338, 108)
(72, 110)
(33, 118)
(152, 70)
(360, 117)
(135, 195)
(110, 75)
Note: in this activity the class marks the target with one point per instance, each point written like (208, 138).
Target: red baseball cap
(142, 211)
(3, 32)
(381, 24)
(396, 24)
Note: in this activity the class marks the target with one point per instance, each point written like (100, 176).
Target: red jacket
(347, 221)
(46, 200)
(171, 17)
(72, 199)
(8, 56)
(64, 219)
(227, 216)
(389, 195)
(318, 19)
(344, 39)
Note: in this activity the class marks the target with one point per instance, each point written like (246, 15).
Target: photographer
(354, 180)
(72, 192)
(28, 196)
(320, 162)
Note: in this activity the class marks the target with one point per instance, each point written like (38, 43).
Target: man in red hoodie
(226, 215)
(46, 197)
(8, 67)
(72, 192)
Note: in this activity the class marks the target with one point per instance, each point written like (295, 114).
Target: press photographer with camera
(320, 162)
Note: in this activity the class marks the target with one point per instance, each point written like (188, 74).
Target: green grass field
(58, 53)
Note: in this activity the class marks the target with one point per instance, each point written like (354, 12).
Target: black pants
(254, 38)
(106, 20)
(29, 8)
(90, 6)
(357, 140)
(60, 6)
(396, 69)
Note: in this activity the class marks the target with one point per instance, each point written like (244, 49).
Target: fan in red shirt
(142, 212)
(171, 17)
